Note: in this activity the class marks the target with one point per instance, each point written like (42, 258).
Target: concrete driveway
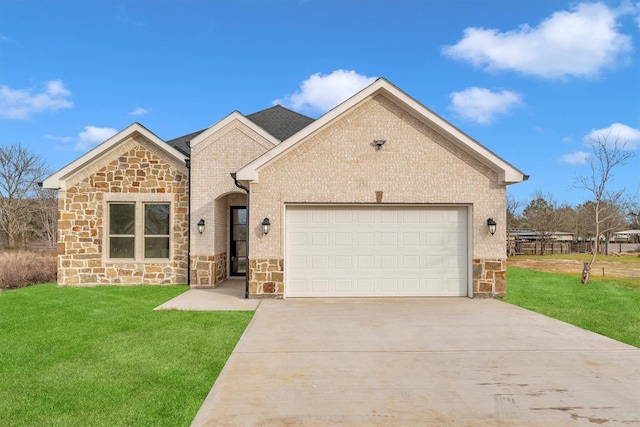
(421, 361)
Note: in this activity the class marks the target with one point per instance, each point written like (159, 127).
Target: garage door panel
(320, 286)
(366, 285)
(389, 262)
(434, 217)
(365, 216)
(389, 285)
(434, 285)
(297, 262)
(371, 251)
(298, 239)
(343, 217)
(320, 262)
(411, 239)
(410, 217)
(389, 239)
(411, 262)
(365, 262)
(389, 217)
(343, 239)
(343, 262)
(319, 217)
(345, 286)
(365, 239)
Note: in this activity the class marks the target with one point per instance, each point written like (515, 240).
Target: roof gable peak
(507, 173)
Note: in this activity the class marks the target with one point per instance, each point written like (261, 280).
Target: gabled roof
(55, 181)
(182, 144)
(280, 122)
(507, 173)
(275, 124)
(235, 116)
(277, 121)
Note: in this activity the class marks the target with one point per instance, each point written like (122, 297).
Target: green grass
(102, 357)
(600, 306)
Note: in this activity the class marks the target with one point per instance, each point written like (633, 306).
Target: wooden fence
(535, 248)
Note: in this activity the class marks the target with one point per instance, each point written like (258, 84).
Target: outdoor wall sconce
(492, 226)
(378, 143)
(266, 225)
(201, 226)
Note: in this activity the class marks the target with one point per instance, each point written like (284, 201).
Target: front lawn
(601, 307)
(102, 357)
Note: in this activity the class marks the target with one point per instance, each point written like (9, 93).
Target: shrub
(20, 269)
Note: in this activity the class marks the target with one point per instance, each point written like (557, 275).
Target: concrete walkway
(420, 361)
(229, 295)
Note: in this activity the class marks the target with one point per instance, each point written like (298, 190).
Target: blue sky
(531, 80)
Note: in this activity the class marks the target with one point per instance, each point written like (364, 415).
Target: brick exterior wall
(134, 171)
(417, 165)
(337, 164)
(214, 155)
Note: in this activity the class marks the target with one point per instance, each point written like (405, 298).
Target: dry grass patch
(620, 270)
(21, 268)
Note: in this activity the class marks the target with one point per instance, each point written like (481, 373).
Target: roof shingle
(279, 122)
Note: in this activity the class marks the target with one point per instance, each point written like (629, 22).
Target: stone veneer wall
(208, 270)
(489, 278)
(266, 278)
(136, 173)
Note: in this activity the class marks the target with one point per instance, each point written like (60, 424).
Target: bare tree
(608, 154)
(20, 171)
(514, 220)
(45, 216)
(543, 216)
(569, 220)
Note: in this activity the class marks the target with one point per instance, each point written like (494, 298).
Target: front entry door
(238, 241)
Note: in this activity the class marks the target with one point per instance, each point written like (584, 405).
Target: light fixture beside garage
(201, 226)
(378, 143)
(492, 226)
(266, 225)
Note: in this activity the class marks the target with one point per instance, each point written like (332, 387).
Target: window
(122, 230)
(156, 230)
(128, 240)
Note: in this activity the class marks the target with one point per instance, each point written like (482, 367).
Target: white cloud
(575, 158)
(578, 43)
(321, 92)
(139, 111)
(23, 103)
(617, 131)
(481, 105)
(92, 136)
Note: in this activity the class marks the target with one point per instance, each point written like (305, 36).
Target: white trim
(507, 173)
(235, 116)
(56, 181)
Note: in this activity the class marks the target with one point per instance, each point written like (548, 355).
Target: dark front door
(238, 241)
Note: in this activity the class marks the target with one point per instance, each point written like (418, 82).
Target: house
(378, 197)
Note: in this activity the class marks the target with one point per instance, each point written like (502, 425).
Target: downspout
(187, 163)
(246, 274)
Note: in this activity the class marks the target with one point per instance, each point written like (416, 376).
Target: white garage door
(347, 251)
